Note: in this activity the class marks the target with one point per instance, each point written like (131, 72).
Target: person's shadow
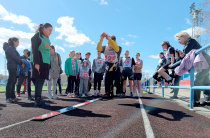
(156, 111)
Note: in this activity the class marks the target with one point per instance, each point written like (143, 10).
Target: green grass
(3, 88)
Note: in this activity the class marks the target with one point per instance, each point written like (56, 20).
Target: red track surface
(104, 118)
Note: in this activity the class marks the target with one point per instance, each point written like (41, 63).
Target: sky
(139, 25)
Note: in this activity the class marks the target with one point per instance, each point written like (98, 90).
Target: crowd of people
(200, 62)
(42, 63)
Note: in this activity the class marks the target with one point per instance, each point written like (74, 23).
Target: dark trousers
(97, 80)
(71, 81)
(109, 78)
(38, 88)
(29, 84)
(77, 81)
(59, 86)
(10, 88)
(20, 82)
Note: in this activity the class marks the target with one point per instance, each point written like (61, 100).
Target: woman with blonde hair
(71, 70)
(201, 78)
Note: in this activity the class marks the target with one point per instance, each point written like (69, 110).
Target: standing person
(24, 76)
(127, 65)
(71, 70)
(40, 58)
(13, 58)
(87, 56)
(98, 70)
(137, 73)
(112, 55)
(79, 64)
(201, 78)
(84, 74)
(55, 62)
(170, 54)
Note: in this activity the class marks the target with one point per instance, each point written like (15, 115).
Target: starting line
(51, 114)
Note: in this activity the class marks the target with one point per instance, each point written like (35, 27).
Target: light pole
(197, 20)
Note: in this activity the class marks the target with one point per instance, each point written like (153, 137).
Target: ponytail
(41, 26)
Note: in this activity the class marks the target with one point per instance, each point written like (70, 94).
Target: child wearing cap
(84, 74)
(87, 56)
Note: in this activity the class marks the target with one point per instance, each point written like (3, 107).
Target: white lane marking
(14, 124)
(147, 126)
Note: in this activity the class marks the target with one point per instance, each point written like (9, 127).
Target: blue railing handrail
(191, 87)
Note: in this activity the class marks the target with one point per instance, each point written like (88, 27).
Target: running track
(155, 117)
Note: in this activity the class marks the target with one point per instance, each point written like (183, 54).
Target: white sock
(168, 78)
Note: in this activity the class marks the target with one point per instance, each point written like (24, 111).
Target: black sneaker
(30, 98)
(174, 97)
(22, 93)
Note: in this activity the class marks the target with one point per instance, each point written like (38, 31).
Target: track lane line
(147, 126)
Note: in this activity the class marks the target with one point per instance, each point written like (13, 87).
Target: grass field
(3, 88)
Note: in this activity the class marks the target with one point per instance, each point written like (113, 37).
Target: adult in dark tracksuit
(112, 55)
(13, 58)
(98, 69)
(40, 58)
(201, 78)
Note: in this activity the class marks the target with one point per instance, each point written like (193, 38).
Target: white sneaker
(140, 95)
(95, 93)
(89, 94)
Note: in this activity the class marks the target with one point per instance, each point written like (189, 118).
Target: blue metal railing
(146, 84)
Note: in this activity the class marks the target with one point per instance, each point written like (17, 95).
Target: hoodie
(12, 56)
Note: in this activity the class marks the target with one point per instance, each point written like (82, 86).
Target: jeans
(83, 85)
(10, 88)
(49, 84)
(38, 88)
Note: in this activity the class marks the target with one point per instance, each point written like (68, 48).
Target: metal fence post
(191, 85)
(153, 80)
(149, 85)
(162, 88)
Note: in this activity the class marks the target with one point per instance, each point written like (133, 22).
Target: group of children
(117, 70)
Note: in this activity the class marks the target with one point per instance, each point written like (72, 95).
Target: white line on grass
(147, 126)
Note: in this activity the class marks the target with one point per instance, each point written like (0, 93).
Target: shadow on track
(156, 111)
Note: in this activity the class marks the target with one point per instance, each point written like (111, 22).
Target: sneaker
(132, 95)
(95, 93)
(16, 100)
(118, 95)
(140, 95)
(100, 93)
(72, 95)
(69, 95)
(174, 97)
(55, 98)
(30, 98)
(22, 93)
(18, 95)
(40, 104)
(9, 100)
(122, 95)
(89, 94)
